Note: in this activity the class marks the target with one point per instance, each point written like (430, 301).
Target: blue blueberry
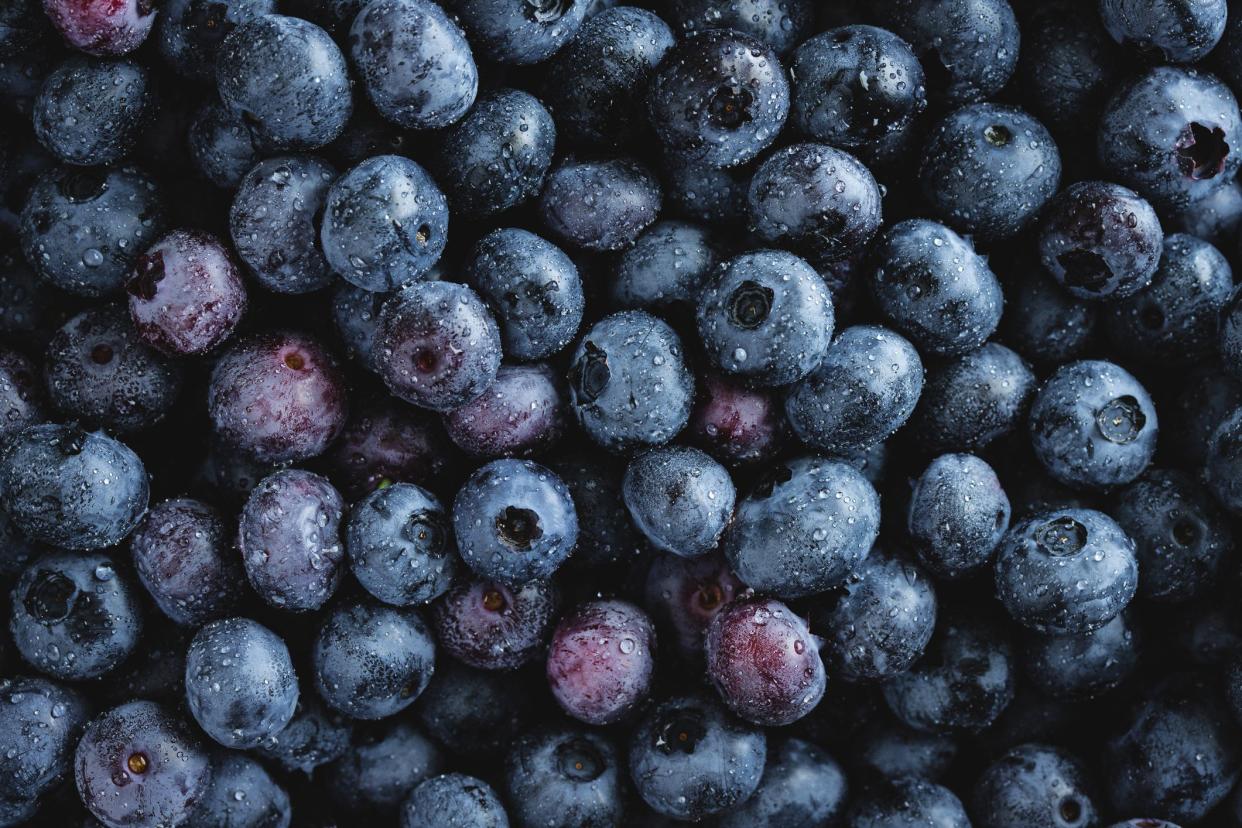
(707, 194)
(91, 111)
(41, 722)
(958, 514)
(679, 498)
(475, 713)
(802, 530)
(314, 737)
(668, 265)
(895, 750)
(1034, 786)
(1054, 326)
(894, 802)
(1215, 218)
(385, 762)
(241, 794)
(189, 32)
(23, 401)
(1083, 665)
(802, 787)
(1180, 31)
(766, 317)
(600, 205)
(973, 400)
(520, 32)
(453, 799)
(385, 223)
(400, 545)
(221, 145)
(565, 777)
(356, 318)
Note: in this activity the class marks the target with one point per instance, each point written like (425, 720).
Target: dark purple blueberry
(606, 536)
(518, 33)
(492, 626)
(668, 265)
(736, 424)
(41, 722)
(314, 736)
(189, 32)
(1084, 665)
(386, 441)
(230, 474)
(476, 714)
(522, 414)
(91, 112)
(566, 777)
(385, 762)
(911, 801)
(600, 205)
(23, 401)
(356, 317)
(221, 145)
(685, 594)
(242, 794)
(802, 787)
(601, 661)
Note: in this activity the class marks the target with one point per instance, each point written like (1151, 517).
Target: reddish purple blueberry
(492, 626)
(601, 661)
(521, 414)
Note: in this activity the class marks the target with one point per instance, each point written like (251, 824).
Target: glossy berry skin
(533, 285)
(102, 27)
(23, 402)
(385, 223)
(788, 541)
(1093, 425)
(855, 398)
(704, 193)
(766, 317)
(139, 764)
(497, 157)
(183, 554)
(565, 777)
(958, 514)
(221, 145)
(1085, 665)
(239, 682)
(315, 736)
(909, 801)
(630, 355)
(1034, 786)
(1067, 571)
(241, 794)
(1181, 31)
(1055, 326)
(186, 293)
(81, 230)
(414, 63)
(453, 799)
(523, 413)
(386, 441)
(599, 205)
(306, 104)
(802, 787)
(385, 762)
(189, 32)
(601, 661)
(667, 266)
(1171, 134)
(738, 425)
(1176, 754)
(513, 32)
(90, 112)
(491, 626)
(718, 99)
(46, 720)
(101, 373)
(856, 86)
(475, 714)
(371, 661)
(51, 486)
(273, 223)
(401, 546)
(1223, 469)
(988, 169)
(690, 758)
(515, 521)
(679, 498)
(934, 287)
(611, 59)
(355, 317)
(438, 345)
(685, 594)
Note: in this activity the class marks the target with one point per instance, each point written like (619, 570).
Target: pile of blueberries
(563, 414)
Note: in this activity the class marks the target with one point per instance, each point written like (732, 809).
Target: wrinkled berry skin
(911, 801)
(974, 399)
(787, 540)
(934, 287)
(600, 205)
(515, 521)
(610, 59)
(601, 660)
(383, 765)
(988, 169)
(1172, 135)
(533, 285)
(139, 764)
(221, 145)
(856, 86)
(314, 736)
(239, 682)
(184, 555)
(186, 293)
(856, 398)
(51, 486)
(821, 201)
(1093, 425)
(476, 714)
(370, 661)
(679, 498)
(385, 442)
(718, 99)
(766, 317)
(1177, 754)
(46, 720)
(1182, 31)
(438, 346)
(272, 223)
(401, 546)
(685, 594)
(241, 793)
(385, 223)
(453, 799)
(414, 63)
(514, 32)
(690, 758)
(1054, 326)
(738, 425)
(303, 106)
(1034, 786)
(630, 356)
(564, 777)
(189, 32)
(523, 413)
(82, 230)
(497, 157)
(102, 27)
(101, 373)
(279, 396)
(958, 514)
(488, 625)
(1067, 571)
(91, 112)
(802, 786)
(290, 542)
(23, 401)
(1082, 666)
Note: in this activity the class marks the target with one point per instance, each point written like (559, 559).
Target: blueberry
(387, 442)
(189, 32)
(766, 317)
(601, 660)
(453, 799)
(1180, 31)
(492, 626)
(1208, 396)
(668, 265)
(385, 762)
(90, 112)
(806, 525)
(679, 498)
(910, 801)
(689, 758)
(685, 594)
(533, 285)
(520, 32)
(1082, 665)
(1054, 325)
(71, 488)
(1215, 218)
(718, 98)
(736, 424)
(22, 398)
(562, 777)
(303, 106)
(523, 413)
(370, 661)
(239, 682)
(629, 384)
(1066, 571)
(802, 787)
(1093, 425)
(221, 145)
(475, 714)
(356, 318)
(385, 223)
(42, 723)
(958, 514)
(274, 223)
(289, 539)
(184, 556)
(314, 737)
(600, 205)
(139, 764)
(401, 546)
(866, 389)
(707, 194)
(606, 536)
(241, 794)
(1223, 466)
(895, 750)
(1034, 786)
(1230, 338)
